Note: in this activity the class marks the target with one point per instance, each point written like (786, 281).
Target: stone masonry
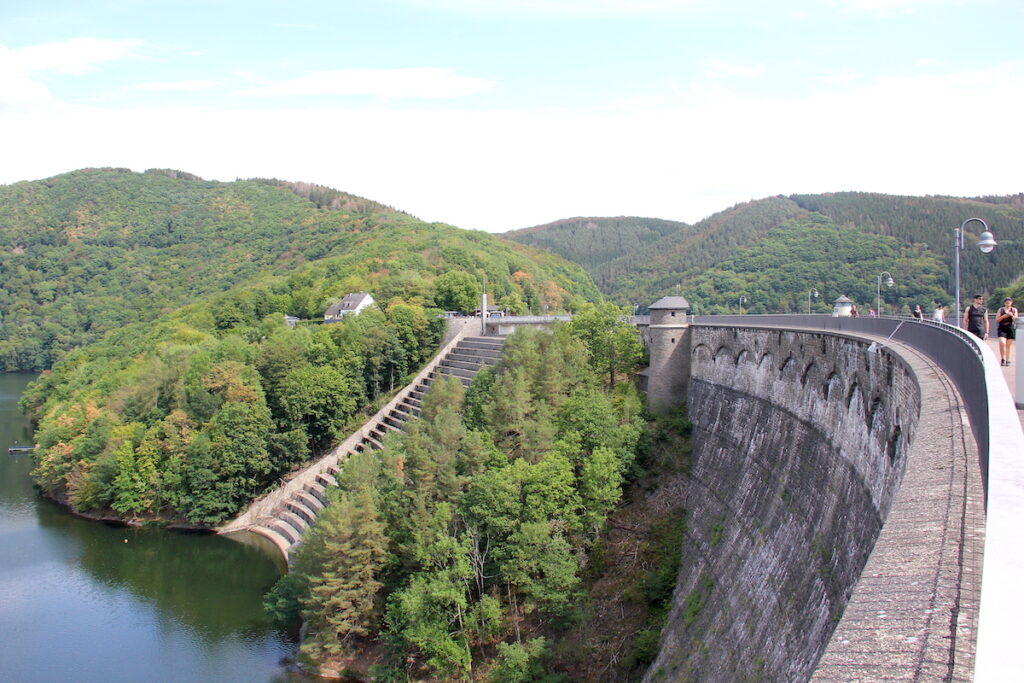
(801, 442)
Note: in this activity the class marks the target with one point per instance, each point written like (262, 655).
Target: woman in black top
(1005, 319)
(976, 318)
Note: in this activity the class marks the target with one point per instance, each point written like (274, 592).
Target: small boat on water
(20, 449)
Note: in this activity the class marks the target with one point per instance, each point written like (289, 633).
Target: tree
(541, 565)
(519, 662)
(600, 487)
(456, 290)
(319, 400)
(228, 462)
(350, 545)
(432, 612)
(613, 343)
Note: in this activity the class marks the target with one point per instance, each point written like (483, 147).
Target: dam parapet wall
(800, 443)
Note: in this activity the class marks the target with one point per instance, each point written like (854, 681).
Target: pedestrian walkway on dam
(1010, 375)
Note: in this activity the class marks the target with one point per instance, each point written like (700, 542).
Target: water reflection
(86, 601)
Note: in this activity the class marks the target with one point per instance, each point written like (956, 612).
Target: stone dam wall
(800, 443)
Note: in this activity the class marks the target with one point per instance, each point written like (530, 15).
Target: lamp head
(889, 282)
(986, 242)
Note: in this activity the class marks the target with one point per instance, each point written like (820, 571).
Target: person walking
(1006, 316)
(918, 313)
(939, 315)
(976, 317)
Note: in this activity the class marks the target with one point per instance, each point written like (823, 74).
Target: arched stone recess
(701, 353)
(806, 374)
(895, 445)
(742, 357)
(788, 370)
(832, 386)
(723, 353)
(853, 396)
(875, 413)
(765, 362)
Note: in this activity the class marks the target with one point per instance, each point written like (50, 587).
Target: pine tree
(341, 597)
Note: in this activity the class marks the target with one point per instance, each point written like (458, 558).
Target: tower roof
(670, 302)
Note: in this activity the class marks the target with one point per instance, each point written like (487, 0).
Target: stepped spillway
(283, 515)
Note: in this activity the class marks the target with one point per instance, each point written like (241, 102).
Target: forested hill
(773, 252)
(591, 242)
(94, 250)
(188, 412)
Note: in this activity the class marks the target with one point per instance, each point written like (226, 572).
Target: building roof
(673, 302)
(350, 303)
(843, 300)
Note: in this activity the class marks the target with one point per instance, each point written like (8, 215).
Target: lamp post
(743, 300)
(878, 292)
(986, 243)
(815, 293)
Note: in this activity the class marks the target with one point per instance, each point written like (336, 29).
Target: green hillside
(591, 242)
(187, 412)
(94, 250)
(774, 251)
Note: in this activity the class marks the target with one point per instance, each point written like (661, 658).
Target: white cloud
(75, 56)
(418, 82)
(176, 86)
(842, 77)
(585, 8)
(684, 159)
(894, 6)
(733, 69)
(22, 68)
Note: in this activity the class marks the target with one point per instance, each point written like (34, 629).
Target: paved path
(913, 613)
(1009, 374)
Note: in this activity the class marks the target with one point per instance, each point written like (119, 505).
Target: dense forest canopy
(758, 250)
(94, 250)
(187, 412)
(470, 544)
(593, 241)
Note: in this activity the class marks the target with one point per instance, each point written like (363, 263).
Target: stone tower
(669, 371)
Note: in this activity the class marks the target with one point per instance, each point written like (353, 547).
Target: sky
(502, 114)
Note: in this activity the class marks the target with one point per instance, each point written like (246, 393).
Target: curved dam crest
(800, 444)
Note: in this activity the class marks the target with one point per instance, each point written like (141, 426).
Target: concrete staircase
(283, 515)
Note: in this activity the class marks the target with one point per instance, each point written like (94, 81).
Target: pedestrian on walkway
(939, 315)
(1006, 317)
(976, 317)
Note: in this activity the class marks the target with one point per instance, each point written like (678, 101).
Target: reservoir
(86, 601)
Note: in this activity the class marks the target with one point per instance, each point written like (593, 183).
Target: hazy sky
(501, 114)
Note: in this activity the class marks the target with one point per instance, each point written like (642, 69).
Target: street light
(878, 292)
(743, 300)
(986, 243)
(815, 293)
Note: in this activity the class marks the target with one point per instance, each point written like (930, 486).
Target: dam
(836, 504)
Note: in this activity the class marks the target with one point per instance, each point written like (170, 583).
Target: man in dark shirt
(976, 318)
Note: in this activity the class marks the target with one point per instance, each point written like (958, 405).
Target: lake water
(86, 601)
